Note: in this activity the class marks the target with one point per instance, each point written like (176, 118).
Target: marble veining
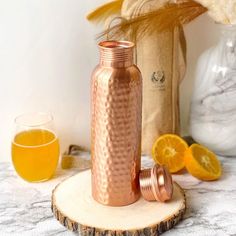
(211, 206)
(213, 108)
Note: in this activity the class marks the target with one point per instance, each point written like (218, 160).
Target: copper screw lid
(156, 184)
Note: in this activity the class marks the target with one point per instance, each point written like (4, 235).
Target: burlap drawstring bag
(161, 59)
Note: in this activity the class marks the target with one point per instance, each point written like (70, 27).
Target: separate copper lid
(156, 184)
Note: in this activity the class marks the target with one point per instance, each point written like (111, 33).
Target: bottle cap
(156, 184)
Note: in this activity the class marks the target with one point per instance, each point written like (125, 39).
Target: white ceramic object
(213, 107)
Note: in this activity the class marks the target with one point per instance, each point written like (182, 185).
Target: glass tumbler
(35, 147)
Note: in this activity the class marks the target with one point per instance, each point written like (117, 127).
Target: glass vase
(213, 107)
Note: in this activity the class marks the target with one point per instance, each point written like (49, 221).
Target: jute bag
(161, 59)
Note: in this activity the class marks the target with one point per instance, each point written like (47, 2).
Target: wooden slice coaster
(74, 207)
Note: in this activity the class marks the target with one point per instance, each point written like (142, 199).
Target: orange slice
(202, 163)
(169, 150)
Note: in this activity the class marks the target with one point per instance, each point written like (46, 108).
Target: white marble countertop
(211, 206)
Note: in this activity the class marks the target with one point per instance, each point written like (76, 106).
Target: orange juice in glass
(35, 147)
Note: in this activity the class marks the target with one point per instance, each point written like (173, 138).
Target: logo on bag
(158, 78)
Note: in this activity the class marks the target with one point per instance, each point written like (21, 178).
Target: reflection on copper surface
(116, 125)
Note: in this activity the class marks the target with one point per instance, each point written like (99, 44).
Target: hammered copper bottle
(116, 125)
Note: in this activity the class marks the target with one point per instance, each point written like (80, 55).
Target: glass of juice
(35, 147)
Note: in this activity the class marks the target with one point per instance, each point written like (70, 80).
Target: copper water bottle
(116, 125)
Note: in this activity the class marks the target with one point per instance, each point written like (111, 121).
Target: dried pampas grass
(103, 12)
(163, 19)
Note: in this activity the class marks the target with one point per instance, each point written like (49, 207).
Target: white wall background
(47, 53)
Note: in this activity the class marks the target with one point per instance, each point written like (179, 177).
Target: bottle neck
(116, 54)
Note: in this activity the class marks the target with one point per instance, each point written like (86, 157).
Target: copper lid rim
(155, 186)
(171, 183)
(154, 189)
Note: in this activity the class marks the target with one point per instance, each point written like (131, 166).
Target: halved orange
(202, 163)
(169, 150)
